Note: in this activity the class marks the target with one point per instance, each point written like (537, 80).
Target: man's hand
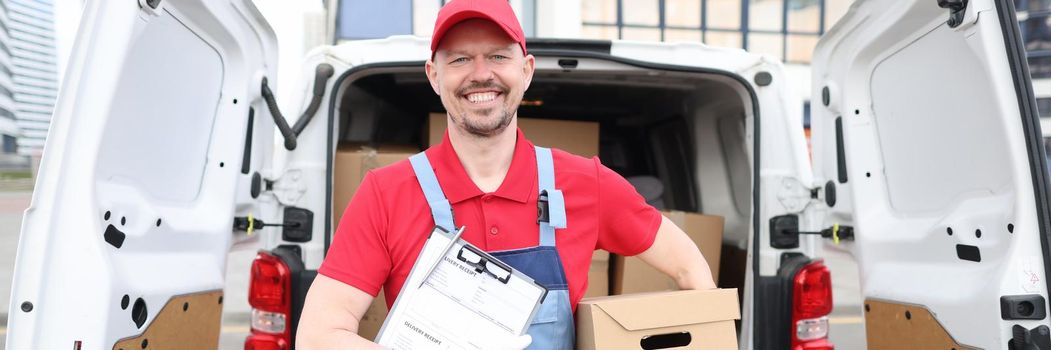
(675, 254)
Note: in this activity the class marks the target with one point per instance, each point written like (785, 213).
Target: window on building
(1034, 22)
(1047, 151)
(1043, 107)
(10, 144)
(786, 29)
(369, 19)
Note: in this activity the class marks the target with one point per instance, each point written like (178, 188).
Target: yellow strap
(836, 233)
(251, 224)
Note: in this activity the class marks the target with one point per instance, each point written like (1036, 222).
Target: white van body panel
(934, 141)
(146, 143)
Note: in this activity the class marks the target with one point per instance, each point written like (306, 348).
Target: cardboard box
(689, 319)
(580, 138)
(352, 162)
(632, 275)
(598, 275)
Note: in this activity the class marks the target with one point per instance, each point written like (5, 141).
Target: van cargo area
(685, 128)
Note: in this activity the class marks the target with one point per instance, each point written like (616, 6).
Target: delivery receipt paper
(459, 306)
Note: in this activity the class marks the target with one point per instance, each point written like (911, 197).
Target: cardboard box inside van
(632, 275)
(577, 137)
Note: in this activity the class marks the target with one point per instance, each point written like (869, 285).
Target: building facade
(29, 38)
(9, 130)
(785, 29)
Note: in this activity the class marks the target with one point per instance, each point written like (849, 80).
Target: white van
(928, 168)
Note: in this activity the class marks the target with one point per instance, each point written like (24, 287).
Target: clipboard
(459, 297)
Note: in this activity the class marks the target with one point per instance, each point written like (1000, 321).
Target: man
(490, 178)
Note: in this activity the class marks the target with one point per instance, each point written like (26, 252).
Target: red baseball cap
(497, 11)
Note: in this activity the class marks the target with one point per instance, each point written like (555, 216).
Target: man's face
(480, 74)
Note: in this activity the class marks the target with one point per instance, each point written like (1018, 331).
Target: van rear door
(149, 159)
(928, 144)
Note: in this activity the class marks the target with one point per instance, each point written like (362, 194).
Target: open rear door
(929, 141)
(148, 160)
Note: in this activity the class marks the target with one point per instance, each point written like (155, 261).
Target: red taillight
(270, 295)
(264, 342)
(269, 288)
(812, 291)
(811, 304)
(815, 345)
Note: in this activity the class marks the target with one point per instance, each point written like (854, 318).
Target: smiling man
(492, 178)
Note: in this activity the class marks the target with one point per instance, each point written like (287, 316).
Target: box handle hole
(666, 341)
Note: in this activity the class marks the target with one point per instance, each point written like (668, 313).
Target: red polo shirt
(388, 220)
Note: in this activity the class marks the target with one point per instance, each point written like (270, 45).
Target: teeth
(481, 97)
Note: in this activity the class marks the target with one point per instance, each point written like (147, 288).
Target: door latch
(297, 227)
(250, 223)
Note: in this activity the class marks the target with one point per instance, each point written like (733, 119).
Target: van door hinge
(957, 9)
(784, 232)
(288, 188)
(794, 195)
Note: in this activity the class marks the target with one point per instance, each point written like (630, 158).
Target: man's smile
(482, 98)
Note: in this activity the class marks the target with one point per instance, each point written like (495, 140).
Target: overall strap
(441, 211)
(556, 206)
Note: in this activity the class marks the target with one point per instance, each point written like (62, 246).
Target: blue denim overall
(552, 327)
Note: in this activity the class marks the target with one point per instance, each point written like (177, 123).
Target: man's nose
(481, 71)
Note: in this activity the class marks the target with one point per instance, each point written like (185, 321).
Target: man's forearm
(331, 339)
(675, 254)
(695, 274)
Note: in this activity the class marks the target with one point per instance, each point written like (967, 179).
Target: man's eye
(459, 60)
(499, 58)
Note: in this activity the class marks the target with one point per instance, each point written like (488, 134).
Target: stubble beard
(484, 128)
(481, 126)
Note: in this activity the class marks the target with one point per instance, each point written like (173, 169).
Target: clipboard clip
(481, 262)
(445, 250)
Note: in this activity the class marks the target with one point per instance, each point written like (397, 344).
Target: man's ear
(528, 68)
(432, 76)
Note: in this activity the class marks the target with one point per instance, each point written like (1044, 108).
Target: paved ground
(846, 324)
(847, 328)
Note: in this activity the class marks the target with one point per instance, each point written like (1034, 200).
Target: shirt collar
(519, 183)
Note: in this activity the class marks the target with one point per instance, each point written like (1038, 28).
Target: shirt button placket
(491, 238)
